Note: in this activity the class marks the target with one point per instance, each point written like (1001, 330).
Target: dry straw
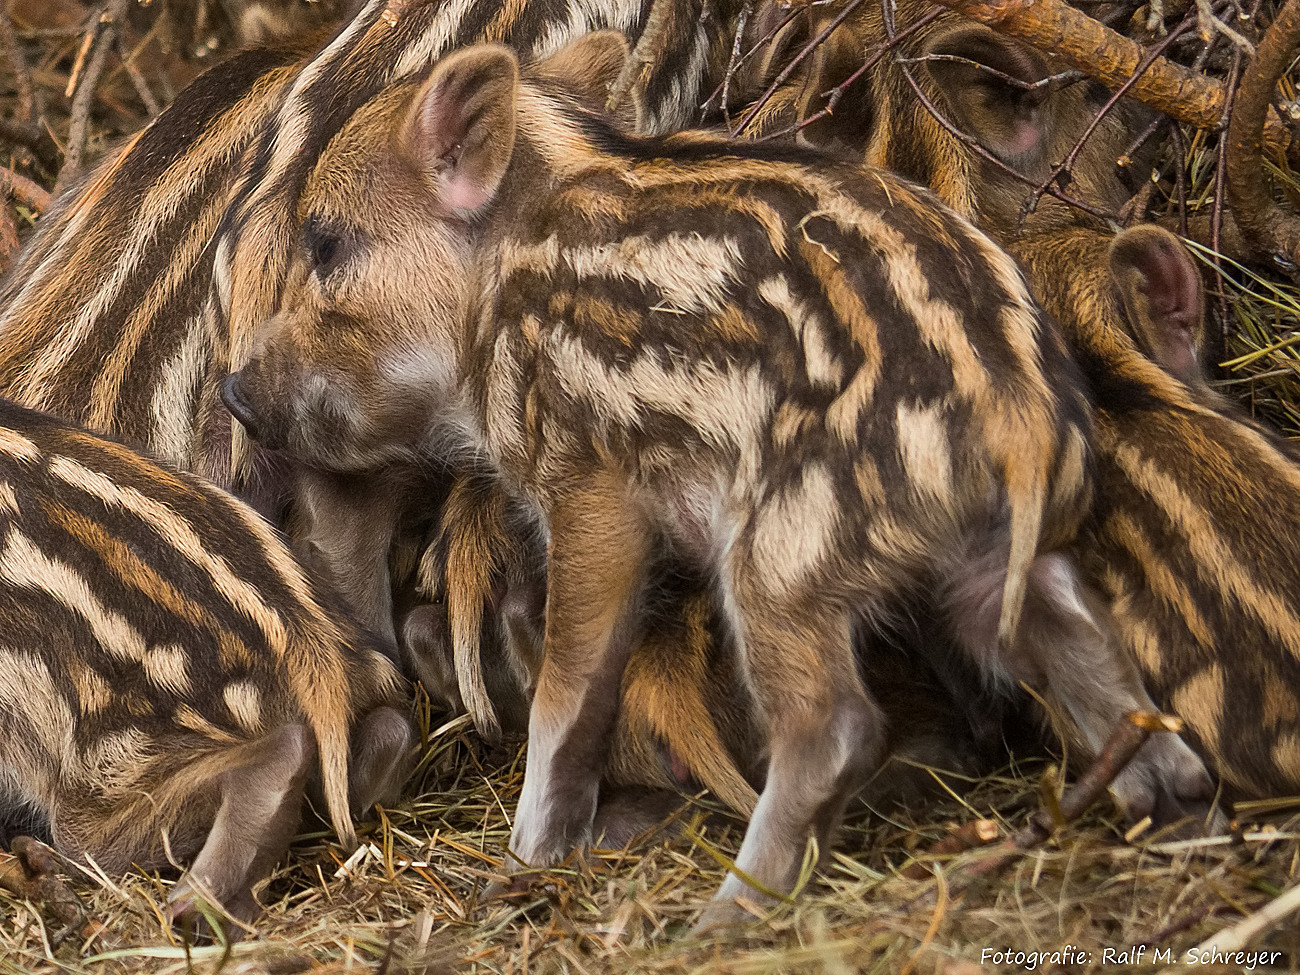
(1095, 897)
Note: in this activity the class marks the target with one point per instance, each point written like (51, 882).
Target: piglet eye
(325, 245)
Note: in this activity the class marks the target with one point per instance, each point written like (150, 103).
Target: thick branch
(1271, 233)
(30, 194)
(1083, 43)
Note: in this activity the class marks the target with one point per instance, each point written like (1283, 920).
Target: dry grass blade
(409, 900)
(409, 903)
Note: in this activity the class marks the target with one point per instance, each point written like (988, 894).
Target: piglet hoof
(721, 914)
(204, 920)
(511, 888)
(1168, 782)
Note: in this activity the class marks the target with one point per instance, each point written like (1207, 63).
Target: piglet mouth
(233, 395)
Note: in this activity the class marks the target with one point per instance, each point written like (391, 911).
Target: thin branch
(1180, 177)
(1066, 166)
(968, 836)
(31, 195)
(789, 69)
(1244, 932)
(104, 36)
(151, 104)
(1216, 212)
(834, 95)
(27, 107)
(973, 143)
(643, 55)
(738, 59)
(1053, 26)
(1129, 735)
(33, 138)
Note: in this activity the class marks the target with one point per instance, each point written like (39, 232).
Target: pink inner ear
(1179, 354)
(460, 192)
(1025, 137)
(1172, 284)
(441, 124)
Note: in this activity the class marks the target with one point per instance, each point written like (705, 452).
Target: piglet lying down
(172, 677)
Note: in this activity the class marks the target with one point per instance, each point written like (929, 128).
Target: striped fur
(1192, 535)
(145, 285)
(107, 318)
(992, 88)
(815, 382)
(173, 678)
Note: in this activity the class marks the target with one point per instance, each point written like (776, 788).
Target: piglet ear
(462, 126)
(1161, 290)
(983, 76)
(589, 68)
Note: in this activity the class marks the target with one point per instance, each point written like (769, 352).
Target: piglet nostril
(238, 407)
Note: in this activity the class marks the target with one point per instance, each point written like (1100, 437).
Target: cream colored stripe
(28, 689)
(216, 147)
(175, 401)
(17, 446)
(1125, 532)
(245, 705)
(23, 564)
(109, 377)
(692, 273)
(181, 536)
(435, 39)
(1214, 558)
(294, 119)
(167, 666)
(925, 450)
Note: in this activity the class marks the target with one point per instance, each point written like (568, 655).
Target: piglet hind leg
(1065, 646)
(596, 567)
(261, 802)
(826, 736)
(380, 758)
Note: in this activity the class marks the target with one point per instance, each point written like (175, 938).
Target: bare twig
(1180, 177)
(834, 95)
(968, 836)
(27, 108)
(30, 194)
(1211, 25)
(1129, 736)
(151, 104)
(789, 69)
(9, 242)
(738, 59)
(104, 35)
(643, 55)
(33, 138)
(1217, 212)
(1066, 166)
(1244, 932)
(974, 144)
(1274, 235)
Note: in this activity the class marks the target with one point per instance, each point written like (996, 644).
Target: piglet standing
(814, 381)
(173, 680)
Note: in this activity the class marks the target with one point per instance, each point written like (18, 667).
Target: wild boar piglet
(173, 679)
(1194, 531)
(813, 381)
